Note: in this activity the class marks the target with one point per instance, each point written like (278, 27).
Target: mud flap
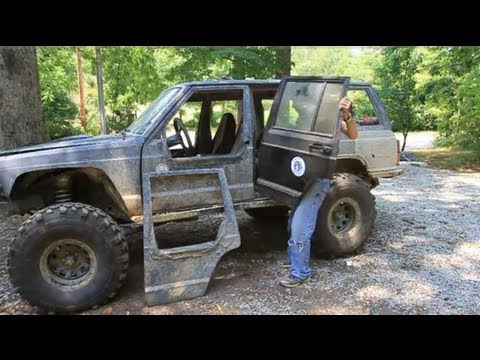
(184, 272)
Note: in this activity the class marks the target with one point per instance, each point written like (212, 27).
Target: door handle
(320, 148)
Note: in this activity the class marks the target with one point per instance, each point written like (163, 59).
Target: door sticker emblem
(161, 169)
(297, 166)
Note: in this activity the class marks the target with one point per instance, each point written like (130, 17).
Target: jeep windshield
(153, 112)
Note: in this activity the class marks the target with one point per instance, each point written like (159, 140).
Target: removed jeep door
(300, 142)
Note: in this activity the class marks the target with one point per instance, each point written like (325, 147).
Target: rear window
(363, 109)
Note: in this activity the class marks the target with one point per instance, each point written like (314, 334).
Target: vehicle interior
(210, 122)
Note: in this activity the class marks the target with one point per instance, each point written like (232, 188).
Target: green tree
(320, 61)
(203, 63)
(396, 78)
(451, 94)
(134, 76)
(58, 80)
(131, 79)
(357, 63)
(283, 61)
(465, 126)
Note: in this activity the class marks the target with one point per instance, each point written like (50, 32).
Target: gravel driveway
(423, 258)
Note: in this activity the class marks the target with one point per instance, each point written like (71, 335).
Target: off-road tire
(344, 235)
(268, 213)
(68, 257)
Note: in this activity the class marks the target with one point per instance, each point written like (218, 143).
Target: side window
(363, 109)
(189, 114)
(208, 123)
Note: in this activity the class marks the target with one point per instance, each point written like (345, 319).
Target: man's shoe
(291, 281)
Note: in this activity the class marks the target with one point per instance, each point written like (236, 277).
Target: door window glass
(298, 106)
(328, 108)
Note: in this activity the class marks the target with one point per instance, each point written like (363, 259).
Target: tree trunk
(21, 120)
(284, 61)
(404, 140)
(81, 93)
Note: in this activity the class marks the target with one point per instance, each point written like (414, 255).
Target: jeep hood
(66, 142)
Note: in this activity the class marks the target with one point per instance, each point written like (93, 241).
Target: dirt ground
(236, 273)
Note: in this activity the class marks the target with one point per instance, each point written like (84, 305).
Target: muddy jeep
(71, 253)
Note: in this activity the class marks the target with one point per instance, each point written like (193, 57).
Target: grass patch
(444, 158)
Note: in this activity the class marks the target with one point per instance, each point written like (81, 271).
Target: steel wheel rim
(343, 216)
(68, 262)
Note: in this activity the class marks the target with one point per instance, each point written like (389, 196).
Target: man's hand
(349, 127)
(345, 104)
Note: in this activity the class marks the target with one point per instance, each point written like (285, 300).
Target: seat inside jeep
(213, 122)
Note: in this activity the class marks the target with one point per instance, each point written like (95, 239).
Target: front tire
(345, 219)
(68, 257)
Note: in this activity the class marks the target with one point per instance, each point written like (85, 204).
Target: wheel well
(357, 168)
(86, 185)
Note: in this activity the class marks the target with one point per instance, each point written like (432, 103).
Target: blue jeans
(302, 225)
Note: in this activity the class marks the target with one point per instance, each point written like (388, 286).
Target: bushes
(59, 114)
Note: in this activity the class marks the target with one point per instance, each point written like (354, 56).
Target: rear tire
(68, 257)
(345, 219)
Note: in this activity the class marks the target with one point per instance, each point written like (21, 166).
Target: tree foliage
(396, 78)
(357, 63)
(58, 80)
(131, 78)
(423, 88)
(451, 94)
(203, 63)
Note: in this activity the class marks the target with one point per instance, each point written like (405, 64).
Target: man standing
(304, 216)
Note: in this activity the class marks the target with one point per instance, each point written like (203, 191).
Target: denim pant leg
(303, 224)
